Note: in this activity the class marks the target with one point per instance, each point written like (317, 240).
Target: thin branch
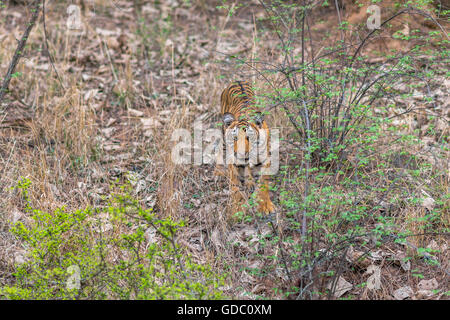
(52, 60)
(19, 49)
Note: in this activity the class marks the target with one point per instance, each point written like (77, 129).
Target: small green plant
(121, 251)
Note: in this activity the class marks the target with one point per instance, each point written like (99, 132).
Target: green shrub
(120, 251)
(354, 162)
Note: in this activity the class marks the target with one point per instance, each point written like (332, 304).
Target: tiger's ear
(228, 118)
(259, 119)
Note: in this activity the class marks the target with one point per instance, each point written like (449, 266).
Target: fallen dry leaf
(431, 284)
(90, 94)
(108, 33)
(148, 123)
(403, 293)
(374, 281)
(422, 294)
(342, 286)
(110, 121)
(135, 113)
(428, 203)
(107, 132)
(150, 235)
(357, 257)
(111, 146)
(16, 215)
(20, 257)
(101, 223)
(148, 133)
(433, 245)
(400, 258)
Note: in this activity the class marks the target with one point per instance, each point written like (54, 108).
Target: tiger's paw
(266, 206)
(219, 172)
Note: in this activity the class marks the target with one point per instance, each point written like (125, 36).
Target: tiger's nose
(242, 132)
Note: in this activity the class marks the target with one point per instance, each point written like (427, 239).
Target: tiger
(245, 130)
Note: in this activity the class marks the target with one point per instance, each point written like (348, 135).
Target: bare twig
(19, 49)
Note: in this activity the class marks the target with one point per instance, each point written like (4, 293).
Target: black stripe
(242, 88)
(246, 98)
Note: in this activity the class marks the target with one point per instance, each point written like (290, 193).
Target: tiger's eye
(259, 119)
(228, 118)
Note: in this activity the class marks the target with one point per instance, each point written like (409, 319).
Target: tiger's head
(247, 135)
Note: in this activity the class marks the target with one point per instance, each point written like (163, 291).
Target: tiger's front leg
(265, 204)
(249, 180)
